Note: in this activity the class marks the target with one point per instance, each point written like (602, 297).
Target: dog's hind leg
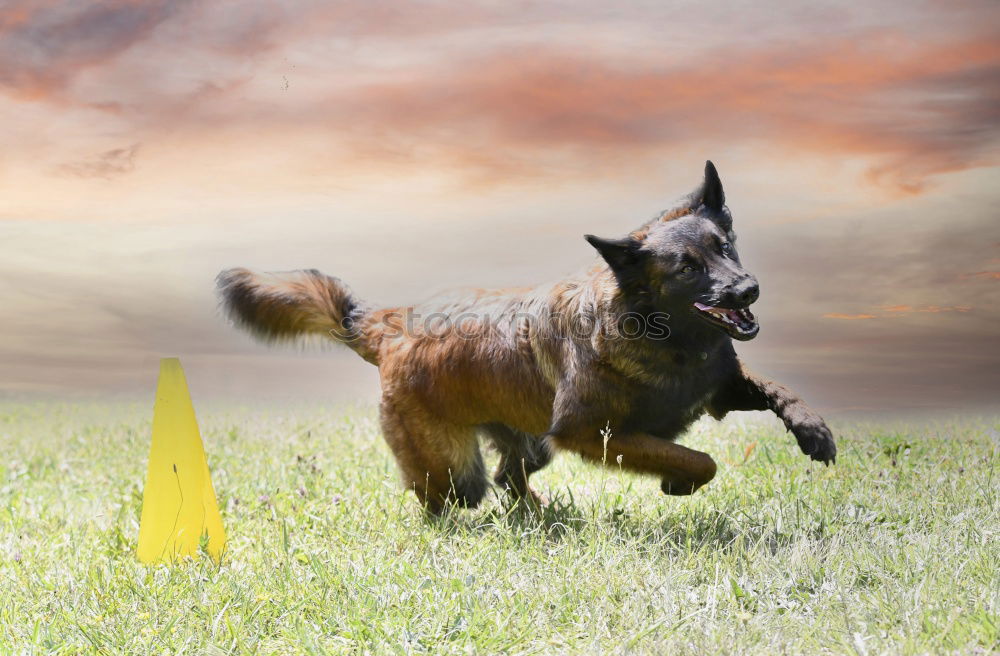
(439, 461)
(521, 455)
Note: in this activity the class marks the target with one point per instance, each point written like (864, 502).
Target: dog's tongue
(731, 314)
(743, 317)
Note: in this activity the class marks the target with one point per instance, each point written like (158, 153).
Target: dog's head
(684, 263)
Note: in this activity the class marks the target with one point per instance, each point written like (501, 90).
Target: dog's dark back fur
(623, 346)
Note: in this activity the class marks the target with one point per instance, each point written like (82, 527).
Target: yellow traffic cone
(178, 502)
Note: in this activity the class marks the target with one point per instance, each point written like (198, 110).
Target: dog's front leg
(682, 470)
(746, 391)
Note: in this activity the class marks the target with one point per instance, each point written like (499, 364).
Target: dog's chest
(677, 397)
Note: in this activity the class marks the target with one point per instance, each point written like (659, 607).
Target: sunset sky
(408, 147)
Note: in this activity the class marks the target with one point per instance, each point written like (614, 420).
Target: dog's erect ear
(710, 194)
(622, 255)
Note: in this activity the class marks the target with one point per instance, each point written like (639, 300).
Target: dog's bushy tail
(289, 305)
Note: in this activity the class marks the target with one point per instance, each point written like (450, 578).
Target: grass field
(896, 549)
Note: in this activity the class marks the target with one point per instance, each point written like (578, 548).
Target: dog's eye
(727, 249)
(688, 269)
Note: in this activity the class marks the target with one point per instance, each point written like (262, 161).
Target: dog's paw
(816, 440)
(680, 485)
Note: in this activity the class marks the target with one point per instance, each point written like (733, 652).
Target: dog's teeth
(742, 320)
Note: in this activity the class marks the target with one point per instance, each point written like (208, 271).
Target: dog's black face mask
(686, 265)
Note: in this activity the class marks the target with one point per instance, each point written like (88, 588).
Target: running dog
(637, 347)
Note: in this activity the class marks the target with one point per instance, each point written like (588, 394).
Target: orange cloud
(936, 309)
(911, 105)
(930, 309)
(982, 275)
(900, 310)
(881, 100)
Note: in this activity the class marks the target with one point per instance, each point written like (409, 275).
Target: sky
(408, 147)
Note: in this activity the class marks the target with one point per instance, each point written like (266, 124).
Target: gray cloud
(44, 45)
(106, 165)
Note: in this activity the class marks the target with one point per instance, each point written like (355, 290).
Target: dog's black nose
(748, 291)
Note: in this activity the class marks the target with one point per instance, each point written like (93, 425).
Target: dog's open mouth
(740, 324)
